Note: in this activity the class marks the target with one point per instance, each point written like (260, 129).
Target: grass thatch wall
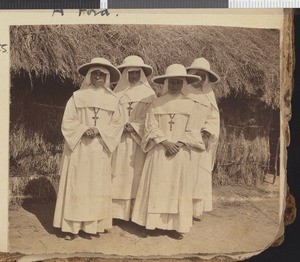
(246, 59)
(43, 71)
(244, 147)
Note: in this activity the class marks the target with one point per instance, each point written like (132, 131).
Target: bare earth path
(244, 219)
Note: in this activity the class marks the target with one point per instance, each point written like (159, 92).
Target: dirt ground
(244, 219)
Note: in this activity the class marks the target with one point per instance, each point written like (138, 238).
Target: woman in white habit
(164, 198)
(128, 159)
(92, 126)
(203, 162)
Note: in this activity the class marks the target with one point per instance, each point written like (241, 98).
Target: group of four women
(134, 156)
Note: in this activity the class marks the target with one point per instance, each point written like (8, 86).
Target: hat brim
(190, 79)
(113, 71)
(147, 69)
(213, 77)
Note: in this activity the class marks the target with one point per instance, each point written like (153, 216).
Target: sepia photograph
(145, 140)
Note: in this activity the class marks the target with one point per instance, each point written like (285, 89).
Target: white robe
(128, 158)
(203, 162)
(84, 194)
(164, 198)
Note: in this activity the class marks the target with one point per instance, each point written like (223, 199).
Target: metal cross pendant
(95, 117)
(171, 122)
(129, 108)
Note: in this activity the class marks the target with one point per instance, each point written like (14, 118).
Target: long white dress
(128, 158)
(203, 162)
(164, 198)
(84, 194)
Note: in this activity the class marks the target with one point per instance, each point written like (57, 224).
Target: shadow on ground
(41, 191)
(45, 216)
(137, 230)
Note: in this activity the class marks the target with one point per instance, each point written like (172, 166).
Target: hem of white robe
(90, 227)
(122, 208)
(199, 206)
(165, 222)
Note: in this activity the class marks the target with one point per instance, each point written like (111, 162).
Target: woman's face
(98, 78)
(175, 85)
(204, 78)
(134, 76)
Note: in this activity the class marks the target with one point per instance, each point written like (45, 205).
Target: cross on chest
(95, 117)
(129, 108)
(171, 122)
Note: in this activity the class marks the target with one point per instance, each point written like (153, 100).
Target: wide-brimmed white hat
(136, 61)
(176, 71)
(203, 64)
(99, 61)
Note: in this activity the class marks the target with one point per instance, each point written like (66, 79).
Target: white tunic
(128, 158)
(203, 162)
(84, 195)
(164, 198)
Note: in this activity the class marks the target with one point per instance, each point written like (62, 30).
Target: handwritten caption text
(102, 12)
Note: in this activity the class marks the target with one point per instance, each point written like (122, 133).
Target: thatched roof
(246, 59)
